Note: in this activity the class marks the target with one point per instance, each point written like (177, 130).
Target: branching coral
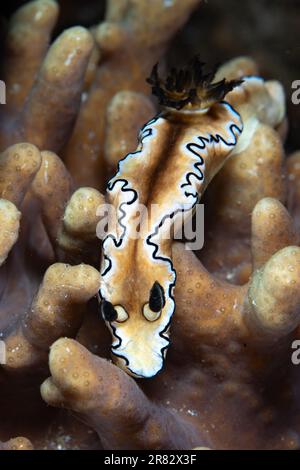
(102, 394)
(130, 40)
(237, 338)
(228, 381)
(43, 88)
(238, 341)
(9, 222)
(257, 172)
(34, 316)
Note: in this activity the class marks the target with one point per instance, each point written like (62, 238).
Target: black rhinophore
(108, 311)
(157, 297)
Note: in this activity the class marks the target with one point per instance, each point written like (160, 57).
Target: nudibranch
(178, 154)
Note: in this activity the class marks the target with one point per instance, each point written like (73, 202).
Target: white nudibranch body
(178, 154)
(131, 267)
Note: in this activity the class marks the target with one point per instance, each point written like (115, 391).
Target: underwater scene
(150, 225)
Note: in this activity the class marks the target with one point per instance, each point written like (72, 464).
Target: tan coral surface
(228, 382)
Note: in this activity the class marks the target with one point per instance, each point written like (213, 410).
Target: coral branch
(272, 229)
(52, 106)
(78, 232)
(274, 294)
(18, 166)
(52, 197)
(207, 307)
(125, 113)
(256, 171)
(56, 311)
(27, 43)
(9, 227)
(239, 67)
(293, 175)
(110, 401)
(131, 40)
